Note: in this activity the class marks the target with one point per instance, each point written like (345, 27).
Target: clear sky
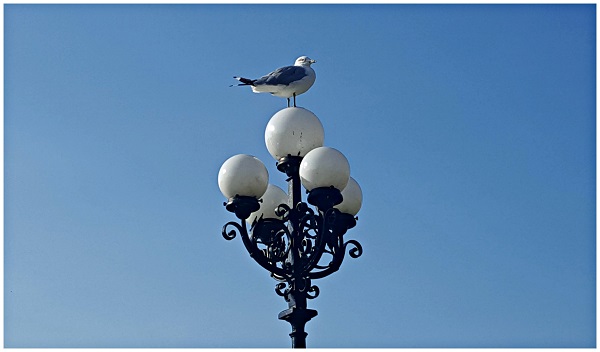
(471, 130)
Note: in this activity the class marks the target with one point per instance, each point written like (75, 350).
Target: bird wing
(284, 75)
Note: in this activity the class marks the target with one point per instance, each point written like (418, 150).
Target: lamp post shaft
(297, 313)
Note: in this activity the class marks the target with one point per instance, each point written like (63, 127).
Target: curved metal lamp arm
(321, 240)
(339, 258)
(253, 250)
(338, 250)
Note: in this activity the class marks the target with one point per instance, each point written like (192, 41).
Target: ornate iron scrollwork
(270, 242)
(229, 235)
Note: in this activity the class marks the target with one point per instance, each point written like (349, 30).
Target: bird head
(304, 61)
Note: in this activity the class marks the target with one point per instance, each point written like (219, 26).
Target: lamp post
(294, 242)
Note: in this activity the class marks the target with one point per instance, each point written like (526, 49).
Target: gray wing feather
(284, 75)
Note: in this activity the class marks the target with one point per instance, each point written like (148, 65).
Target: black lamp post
(295, 243)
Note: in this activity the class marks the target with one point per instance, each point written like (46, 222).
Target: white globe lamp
(243, 179)
(293, 132)
(324, 172)
(324, 167)
(352, 198)
(273, 197)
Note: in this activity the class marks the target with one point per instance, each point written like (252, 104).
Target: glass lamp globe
(273, 197)
(352, 195)
(324, 167)
(243, 175)
(293, 131)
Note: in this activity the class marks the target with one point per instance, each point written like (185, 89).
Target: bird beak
(312, 61)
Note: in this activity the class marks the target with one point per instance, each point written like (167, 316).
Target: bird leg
(288, 99)
(294, 99)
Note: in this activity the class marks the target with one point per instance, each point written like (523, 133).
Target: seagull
(285, 82)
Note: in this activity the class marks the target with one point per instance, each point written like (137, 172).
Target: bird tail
(245, 81)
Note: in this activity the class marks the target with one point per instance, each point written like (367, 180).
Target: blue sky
(471, 130)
